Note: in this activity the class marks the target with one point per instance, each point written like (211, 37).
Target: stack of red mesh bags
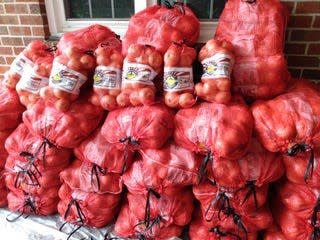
(234, 173)
(10, 116)
(290, 124)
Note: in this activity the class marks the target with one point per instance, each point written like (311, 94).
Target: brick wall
(24, 20)
(303, 39)
(21, 21)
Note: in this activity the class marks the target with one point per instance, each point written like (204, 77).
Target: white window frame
(58, 24)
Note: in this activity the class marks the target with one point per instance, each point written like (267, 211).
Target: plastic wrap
(178, 83)
(257, 30)
(217, 60)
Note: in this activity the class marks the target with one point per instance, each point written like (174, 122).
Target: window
(68, 15)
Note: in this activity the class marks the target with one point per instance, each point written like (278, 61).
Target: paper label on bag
(32, 82)
(19, 63)
(177, 79)
(66, 79)
(138, 73)
(217, 66)
(107, 78)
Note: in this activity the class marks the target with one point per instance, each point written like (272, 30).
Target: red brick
(314, 49)
(3, 30)
(300, 21)
(9, 19)
(316, 23)
(2, 60)
(305, 35)
(18, 50)
(33, 20)
(16, 8)
(308, 7)
(295, 72)
(1, 9)
(311, 73)
(9, 60)
(5, 51)
(20, 31)
(40, 31)
(294, 48)
(27, 40)
(289, 5)
(37, 8)
(12, 41)
(303, 61)
(3, 68)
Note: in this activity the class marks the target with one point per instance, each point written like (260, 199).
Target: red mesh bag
(217, 60)
(3, 191)
(89, 209)
(10, 108)
(35, 51)
(148, 174)
(88, 38)
(45, 204)
(178, 83)
(63, 129)
(173, 207)
(142, 64)
(256, 168)
(97, 150)
(159, 26)
(274, 233)
(139, 127)
(290, 123)
(107, 76)
(128, 225)
(89, 177)
(34, 78)
(172, 165)
(201, 229)
(299, 166)
(295, 228)
(303, 200)
(211, 129)
(3, 153)
(211, 197)
(260, 69)
(69, 73)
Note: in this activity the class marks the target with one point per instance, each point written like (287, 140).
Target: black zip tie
(204, 164)
(95, 171)
(295, 149)
(315, 233)
(132, 142)
(147, 209)
(316, 210)
(28, 171)
(29, 204)
(168, 4)
(180, 6)
(217, 230)
(236, 220)
(310, 167)
(223, 201)
(251, 191)
(43, 148)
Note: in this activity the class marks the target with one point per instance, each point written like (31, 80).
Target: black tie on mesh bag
(79, 222)
(28, 204)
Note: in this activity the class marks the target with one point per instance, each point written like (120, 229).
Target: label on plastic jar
(177, 79)
(107, 78)
(19, 63)
(32, 82)
(66, 79)
(138, 73)
(217, 66)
